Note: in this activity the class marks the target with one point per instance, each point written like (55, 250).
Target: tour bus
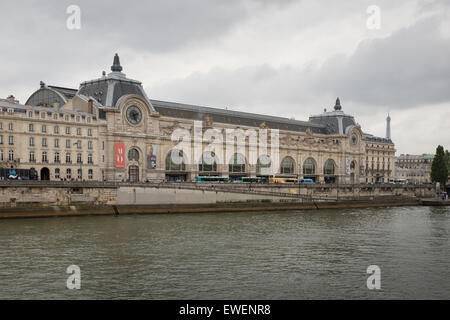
(18, 174)
(211, 179)
(253, 180)
(282, 180)
(398, 181)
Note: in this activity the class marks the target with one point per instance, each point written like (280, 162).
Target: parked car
(307, 181)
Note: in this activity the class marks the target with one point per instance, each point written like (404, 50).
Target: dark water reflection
(267, 255)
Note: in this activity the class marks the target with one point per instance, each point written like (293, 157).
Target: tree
(439, 167)
(447, 156)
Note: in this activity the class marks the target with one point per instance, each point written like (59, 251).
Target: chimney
(90, 106)
(12, 99)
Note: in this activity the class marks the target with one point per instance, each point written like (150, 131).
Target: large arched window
(237, 163)
(309, 166)
(46, 97)
(133, 154)
(175, 161)
(263, 165)
(208, 162)
(287, 166)
(329, 167)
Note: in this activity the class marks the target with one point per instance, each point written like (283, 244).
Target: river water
(265, 255)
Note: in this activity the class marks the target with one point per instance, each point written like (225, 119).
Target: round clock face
(354, 139)
(134, 115)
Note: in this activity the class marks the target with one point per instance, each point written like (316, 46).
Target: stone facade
(380, 160)
(56, 143)
(414, 168)
(111, 118)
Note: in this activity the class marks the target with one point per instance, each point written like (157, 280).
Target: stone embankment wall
(16, 193)
(33, 198)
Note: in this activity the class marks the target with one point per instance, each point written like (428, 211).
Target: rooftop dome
(108, 89)
(336, 121)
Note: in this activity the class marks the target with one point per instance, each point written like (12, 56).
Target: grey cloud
(156, 26)
(407, 69)
(36, 45)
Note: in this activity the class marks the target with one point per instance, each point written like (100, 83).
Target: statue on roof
(337, 106)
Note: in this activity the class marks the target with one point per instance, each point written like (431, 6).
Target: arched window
(263, 165)
(237, 163)
(353, 165)
(175, 161)
(309, 166)
(133, 154)
(208, 162)
(287, 166)
(329, 167)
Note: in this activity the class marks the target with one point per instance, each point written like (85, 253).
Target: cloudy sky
(288, 58)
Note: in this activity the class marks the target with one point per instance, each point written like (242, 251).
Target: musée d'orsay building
(110, 130)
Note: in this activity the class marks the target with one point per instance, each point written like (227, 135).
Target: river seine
(267, 255)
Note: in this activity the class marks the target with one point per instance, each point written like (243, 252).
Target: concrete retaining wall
(22, 193)
(143, 196)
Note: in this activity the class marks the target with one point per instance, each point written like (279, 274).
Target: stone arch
(287, 165)
(45, 174)
(175, 160)
(207, 163)
(329, 167)
(129, 99)
(309, 166)
(263, 165)
(237, 163)
(133, 154)
(330, 171)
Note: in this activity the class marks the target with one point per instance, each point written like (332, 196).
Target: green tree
(439, 167)
(447, 156)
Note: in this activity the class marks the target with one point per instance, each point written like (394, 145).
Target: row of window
(31, 142)
(31, 128)
(58, 160)
(56, 129)
(175, 162)
(69, 174)
(10, 126)
(54, 116)
(44, 158)
(413, 160)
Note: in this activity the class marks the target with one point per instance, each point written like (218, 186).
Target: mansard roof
(108, 89)
(372, 138)
(193, 112)
(335, 121)
(20, 108)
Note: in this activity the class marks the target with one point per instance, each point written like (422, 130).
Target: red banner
(120, 154)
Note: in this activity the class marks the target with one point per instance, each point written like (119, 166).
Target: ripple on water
(265, 255)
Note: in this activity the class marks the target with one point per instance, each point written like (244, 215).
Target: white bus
(398, 181)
